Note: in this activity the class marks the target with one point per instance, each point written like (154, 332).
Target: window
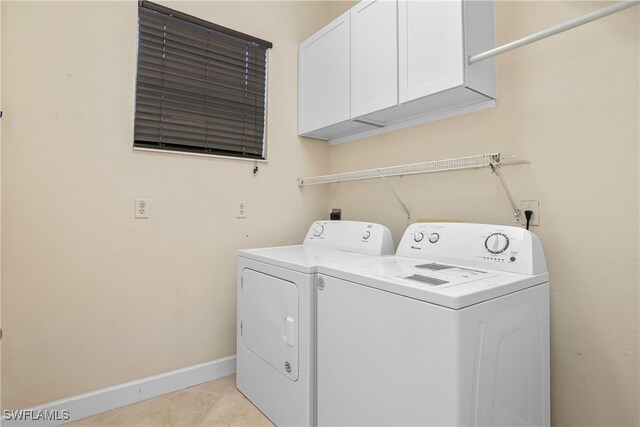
(200, 87)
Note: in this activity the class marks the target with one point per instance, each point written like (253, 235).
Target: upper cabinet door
(324, 77)
(431, 51)
(374, 56)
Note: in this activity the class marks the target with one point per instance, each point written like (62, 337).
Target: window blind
(200, 87)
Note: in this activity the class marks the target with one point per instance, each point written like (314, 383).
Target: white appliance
(276, 315)
(453, 330)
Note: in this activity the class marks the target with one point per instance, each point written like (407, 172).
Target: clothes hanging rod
(598, 14)
(459, 163)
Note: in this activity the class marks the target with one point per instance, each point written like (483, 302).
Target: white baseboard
(85, 405)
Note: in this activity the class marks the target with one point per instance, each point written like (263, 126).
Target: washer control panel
(353, 236)
(496, 243)
(497, 247)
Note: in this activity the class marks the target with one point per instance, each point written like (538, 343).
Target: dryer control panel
(353, 236)
(495, 247)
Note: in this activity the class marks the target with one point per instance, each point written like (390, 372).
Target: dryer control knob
(496, 243)
(366, 235)
(418, 236)
(318, 230)
(434, 237)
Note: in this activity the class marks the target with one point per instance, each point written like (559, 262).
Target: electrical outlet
(142, 208)
(241, 209)
(530, 205)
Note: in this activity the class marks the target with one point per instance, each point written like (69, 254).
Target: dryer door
(270, 320)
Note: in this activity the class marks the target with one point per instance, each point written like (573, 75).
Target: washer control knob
(434, 237)
(366, 235)
(418, 236)
(318, 230)
(496, 243)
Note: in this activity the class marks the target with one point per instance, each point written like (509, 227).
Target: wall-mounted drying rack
(492, 160)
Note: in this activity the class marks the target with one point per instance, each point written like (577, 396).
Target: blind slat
(156, 107)
(224, 127)
(208, 116)
(211, 143)
(149, 76)
(220, 53)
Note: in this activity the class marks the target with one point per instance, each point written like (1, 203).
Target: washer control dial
(318, 230)
(418, 236)
(497, 243)
(434, 237)
(366, 235)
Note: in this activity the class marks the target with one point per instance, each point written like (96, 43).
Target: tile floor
(215, 403)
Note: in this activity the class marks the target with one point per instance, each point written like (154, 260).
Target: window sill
(185, 153)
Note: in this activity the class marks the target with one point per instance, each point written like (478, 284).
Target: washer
(453, 330)
(276, 315)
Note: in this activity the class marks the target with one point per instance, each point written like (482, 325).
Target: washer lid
(301, 258)
(449, 285)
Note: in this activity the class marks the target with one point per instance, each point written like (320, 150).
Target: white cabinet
(431, 49)
(374, 52)
(435, 80)
(389, 64)
(324, 74)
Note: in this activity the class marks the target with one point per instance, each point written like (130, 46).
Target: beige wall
(90, 296)
(569, 105)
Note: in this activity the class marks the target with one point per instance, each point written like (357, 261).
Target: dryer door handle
(289, 337)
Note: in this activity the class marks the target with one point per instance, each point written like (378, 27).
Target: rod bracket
(404, 206)
(517, 214)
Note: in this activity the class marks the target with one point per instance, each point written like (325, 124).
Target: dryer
(453, 330)
(276, 315)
